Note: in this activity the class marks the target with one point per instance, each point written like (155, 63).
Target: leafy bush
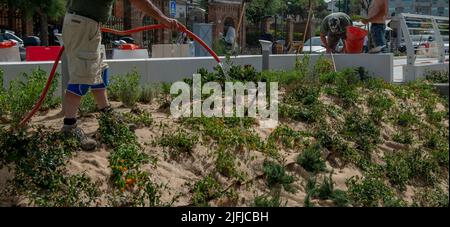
(125, 88)
(204, 190)
(370, 191)
(398, 170)
(431, 197)
(225, 163)
(179, 142)
(437, 76)
(404, 137)
(423, 167)
(276, 174)
(125, 159)
(87, 104)
(311, 159)
(407, 118)
(21, 96)
(379, 105)
(268, 201)
(362, 130)
(286, 136)
(149, 92)
(114, 132)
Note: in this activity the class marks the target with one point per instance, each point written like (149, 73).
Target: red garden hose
(122, 33)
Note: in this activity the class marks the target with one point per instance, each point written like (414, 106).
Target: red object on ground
(7, 44)
(41, 53)
(354, 43)
(129, 46)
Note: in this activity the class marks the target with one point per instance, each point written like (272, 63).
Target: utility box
(203, 31)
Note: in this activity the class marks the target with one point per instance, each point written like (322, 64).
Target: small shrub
(379, 105)
(407, 118)
(179, 142)
(311, 159)
(204, 190)
(225, 163)
(126, 88)
(436, 76)
(370, 191)
(149, 92)
(431, 197)
(21, 96)
(423, 167)
(125, 159)
(398, 170)
(268, 201)
(404, 137)
(114, 132)
(286, 136)
(87, 104)
(276, 174)
(362, 130)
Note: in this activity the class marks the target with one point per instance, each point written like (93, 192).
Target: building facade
(426, 7)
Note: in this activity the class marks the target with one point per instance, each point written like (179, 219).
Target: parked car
(314, 46)
(10, 35)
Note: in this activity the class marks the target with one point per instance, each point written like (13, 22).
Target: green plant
(268, 201)
(407, 118)
(138, 117)
(362, 130)
(311, 159)
(379, 105)
(125, 159)
(126, 88)
(436, 76)
(423, 167)
(370, 191)
(286, 136)
(114, 132)
(404, 137)
(87, 104)
(397, 170)
(204, 190)
(23, 93)
(225, 163)
(431, 197)
(149, 92)
(276, 174)
(178, 142)
(323, 65)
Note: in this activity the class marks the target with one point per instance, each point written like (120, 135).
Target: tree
(260, 9)
(45, 9)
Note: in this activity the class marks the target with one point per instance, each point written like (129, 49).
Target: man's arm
(150, 9)
(324, 42)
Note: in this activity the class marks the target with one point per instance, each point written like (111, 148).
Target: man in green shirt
(82, 42)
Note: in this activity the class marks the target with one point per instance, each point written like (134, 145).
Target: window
(440, 11)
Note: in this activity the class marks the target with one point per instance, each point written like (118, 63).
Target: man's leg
(72, 100)
(100, 97)
(378, 38)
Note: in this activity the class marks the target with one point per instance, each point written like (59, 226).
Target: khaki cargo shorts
(82, 42)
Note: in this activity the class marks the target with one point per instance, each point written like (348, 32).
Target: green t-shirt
(99, 10)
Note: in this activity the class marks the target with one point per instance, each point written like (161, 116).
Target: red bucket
(41, 53)
(354, 44)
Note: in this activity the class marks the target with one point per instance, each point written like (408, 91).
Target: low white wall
(173, 69)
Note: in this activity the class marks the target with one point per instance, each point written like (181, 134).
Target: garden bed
(344, 139)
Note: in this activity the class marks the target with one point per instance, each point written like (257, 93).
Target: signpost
(173, 8)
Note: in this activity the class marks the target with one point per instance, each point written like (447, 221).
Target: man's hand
(171, 23)
(365, 21)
